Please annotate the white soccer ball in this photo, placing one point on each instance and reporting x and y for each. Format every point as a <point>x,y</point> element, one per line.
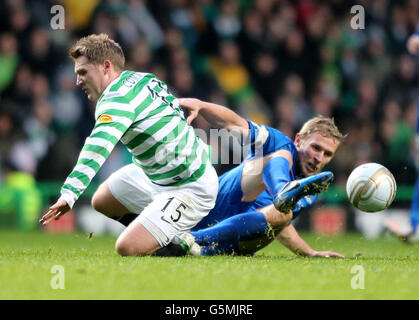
<point>371,187</point>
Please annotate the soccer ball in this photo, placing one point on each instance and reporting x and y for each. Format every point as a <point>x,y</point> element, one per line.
<point>371,187</point>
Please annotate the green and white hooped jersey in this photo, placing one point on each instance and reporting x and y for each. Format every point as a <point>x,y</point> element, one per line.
<point>137,109</point>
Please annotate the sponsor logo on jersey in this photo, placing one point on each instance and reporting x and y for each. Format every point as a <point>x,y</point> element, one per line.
<point>104,118</point>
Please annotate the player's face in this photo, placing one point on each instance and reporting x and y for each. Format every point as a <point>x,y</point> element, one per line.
<point>90,77</point>
<point>315,152</point>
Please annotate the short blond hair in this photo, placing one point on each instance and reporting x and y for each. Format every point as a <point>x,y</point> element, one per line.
<point>323,125</point>
<point>97,48</point>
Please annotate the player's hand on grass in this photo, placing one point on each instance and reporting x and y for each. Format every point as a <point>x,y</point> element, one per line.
<point>55,212</point>
<point>192,105</point>
<point>327,254</point>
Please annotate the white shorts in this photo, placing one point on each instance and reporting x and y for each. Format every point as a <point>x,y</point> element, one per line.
<point>164,211</point>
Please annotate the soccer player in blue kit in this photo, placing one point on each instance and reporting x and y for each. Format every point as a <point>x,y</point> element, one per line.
<point>257,199</point>
<point>413,48</point>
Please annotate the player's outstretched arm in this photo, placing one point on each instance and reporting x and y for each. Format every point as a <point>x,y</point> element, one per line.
<point>292,240</point>
<point>217,115</point>
<point>94,153</point>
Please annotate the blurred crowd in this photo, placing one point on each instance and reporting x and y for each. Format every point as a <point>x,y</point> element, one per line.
<point>275,62</point>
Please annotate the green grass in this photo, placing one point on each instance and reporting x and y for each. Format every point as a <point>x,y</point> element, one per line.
<point>94,271</point>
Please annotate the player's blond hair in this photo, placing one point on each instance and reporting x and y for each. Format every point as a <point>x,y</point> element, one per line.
<point>97,48</point>
<point>323,125</point>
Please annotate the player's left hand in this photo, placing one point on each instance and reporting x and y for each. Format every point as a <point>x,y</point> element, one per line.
<point>55,212</point>
<point>327,254</point>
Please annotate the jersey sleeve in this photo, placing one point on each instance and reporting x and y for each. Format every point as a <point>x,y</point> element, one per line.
<point>256,141</point>
<point>111,124</point>
<point>264,140</point>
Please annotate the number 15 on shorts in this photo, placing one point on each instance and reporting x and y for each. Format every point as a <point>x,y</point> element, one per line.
<point>173,209</point>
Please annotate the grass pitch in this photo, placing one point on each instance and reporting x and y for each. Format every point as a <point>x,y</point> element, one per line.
<point>92,270</point>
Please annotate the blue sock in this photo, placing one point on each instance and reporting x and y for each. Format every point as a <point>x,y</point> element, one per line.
<point>229,232</point>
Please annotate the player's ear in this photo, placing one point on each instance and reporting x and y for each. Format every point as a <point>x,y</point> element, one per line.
<point>107,65</point>
<point>297,139</point>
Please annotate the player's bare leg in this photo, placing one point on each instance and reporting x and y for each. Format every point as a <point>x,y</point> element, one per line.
<point>136,240</point>
<point>275,218</point>
<point>104,202</point>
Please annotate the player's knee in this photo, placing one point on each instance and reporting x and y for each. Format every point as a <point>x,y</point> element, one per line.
<point>123,249</point>
<point>126,248</point>
<point>101,202</point>
<point>104,202</point>
<point>97,201</point>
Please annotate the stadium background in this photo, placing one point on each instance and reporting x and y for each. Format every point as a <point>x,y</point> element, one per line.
<point>275,62</point>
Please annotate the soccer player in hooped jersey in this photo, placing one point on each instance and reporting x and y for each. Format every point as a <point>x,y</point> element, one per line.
<point>257,199</point>
<point>171,184</point>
